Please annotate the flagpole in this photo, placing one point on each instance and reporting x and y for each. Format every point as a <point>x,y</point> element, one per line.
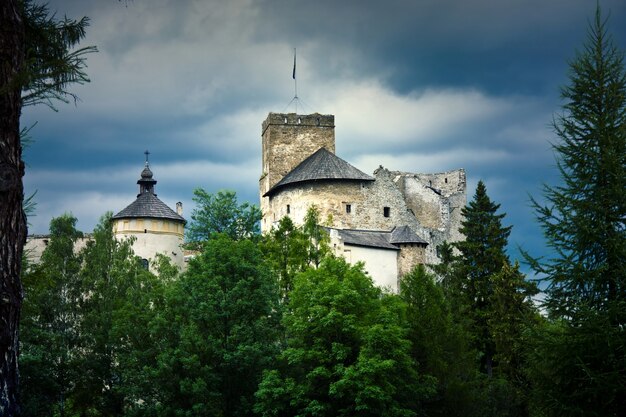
<point>295,80</point>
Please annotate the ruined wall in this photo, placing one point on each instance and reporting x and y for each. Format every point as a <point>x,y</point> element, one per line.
<point>36,244</point>
<point>435,199</point>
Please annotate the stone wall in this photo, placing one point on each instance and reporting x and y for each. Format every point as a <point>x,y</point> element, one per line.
<point>410,255</point>
<point>287,140</point>
<point>36,244</point>
<point>430,204</point>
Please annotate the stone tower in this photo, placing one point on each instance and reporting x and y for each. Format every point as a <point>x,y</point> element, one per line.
<point>287,140</point>
<point>155,227</point>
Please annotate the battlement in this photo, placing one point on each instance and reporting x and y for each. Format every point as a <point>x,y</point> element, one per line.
<point>293,119</point>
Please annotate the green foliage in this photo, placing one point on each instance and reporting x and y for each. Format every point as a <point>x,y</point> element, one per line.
<point>113,281</point>
<point>347,351</point>
<point>213,337</point>
<point>285,248</point>
<point>317,238</point>
<point>52,63</point>
<point>49,322</point>
<point>580,358</point>
<point>439,344</point>
<point>482,256</point>
<point>221,213</point>
<point>491,300</point>
<point>291,249</point>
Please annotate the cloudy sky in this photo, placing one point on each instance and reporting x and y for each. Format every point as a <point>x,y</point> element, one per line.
<point>415,85</point>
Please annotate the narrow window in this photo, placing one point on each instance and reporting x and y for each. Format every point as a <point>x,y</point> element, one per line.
<point>446,179</point>
<point>348,208</point>
<point>288,209</point>
<point>386,211</point>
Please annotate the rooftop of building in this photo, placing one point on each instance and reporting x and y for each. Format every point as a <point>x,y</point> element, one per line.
<point>382,239</point>
<point>321,165</point>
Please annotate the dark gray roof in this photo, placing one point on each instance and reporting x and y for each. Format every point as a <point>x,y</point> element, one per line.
<point>147,205</point>
<point>404,234</point>
<point>322,165</point>
<point>369,238</point>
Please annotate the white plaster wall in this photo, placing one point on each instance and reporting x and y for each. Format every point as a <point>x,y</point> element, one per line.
<point>381,264</point>
<point>147,245</point>
<point>153,236</point>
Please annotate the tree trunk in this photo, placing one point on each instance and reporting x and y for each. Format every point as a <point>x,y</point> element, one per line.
<point>12,218</point>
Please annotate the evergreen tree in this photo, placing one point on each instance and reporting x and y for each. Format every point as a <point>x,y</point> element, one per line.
<point>482,256</point>
<point>584,224</point>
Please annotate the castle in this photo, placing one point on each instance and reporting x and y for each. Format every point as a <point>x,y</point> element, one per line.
<point>390,221</point>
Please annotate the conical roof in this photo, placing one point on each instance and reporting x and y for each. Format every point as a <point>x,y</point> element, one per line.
<point>322,165</point>
<point>148,205</point>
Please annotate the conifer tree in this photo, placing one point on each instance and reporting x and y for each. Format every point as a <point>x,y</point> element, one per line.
<point>482,256</point>
<point>584,224</point>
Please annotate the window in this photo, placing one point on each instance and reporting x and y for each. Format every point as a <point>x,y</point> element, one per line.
<point>348,208</point>
<point>288,209</point>
<point>145,264</point>
<point>386,211</point>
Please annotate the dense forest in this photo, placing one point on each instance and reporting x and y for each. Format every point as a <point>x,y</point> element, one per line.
<point>275,325</point>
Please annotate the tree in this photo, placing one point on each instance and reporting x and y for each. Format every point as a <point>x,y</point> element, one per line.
<point>482,255</point>
<point>221,213</point>
<point>285,247</point>
<point>113,281</point>
<point>440,345</point>
<point>214,336</point>
<point>50,322</point>
<point>584,224</point>
<point>42,72</point>
<point>347,351</point>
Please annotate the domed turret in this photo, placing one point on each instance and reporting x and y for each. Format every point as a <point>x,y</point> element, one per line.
<point>155,227</point>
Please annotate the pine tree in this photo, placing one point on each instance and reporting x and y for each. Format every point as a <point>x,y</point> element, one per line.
<point>584,224</point>
<point>482,256</point>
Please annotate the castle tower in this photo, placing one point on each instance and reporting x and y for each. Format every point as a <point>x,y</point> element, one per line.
<point>287,140</point>
<point>155,227</point>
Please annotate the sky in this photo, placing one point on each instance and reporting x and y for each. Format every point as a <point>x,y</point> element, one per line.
<point>415,85</point>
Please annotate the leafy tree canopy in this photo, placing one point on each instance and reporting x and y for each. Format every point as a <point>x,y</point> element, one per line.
<point>222,213</point>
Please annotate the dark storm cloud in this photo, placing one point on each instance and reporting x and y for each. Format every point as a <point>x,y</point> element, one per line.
<point>415,85</point>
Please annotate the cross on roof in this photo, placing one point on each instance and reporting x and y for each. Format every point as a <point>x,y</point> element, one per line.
<point>147,153</point>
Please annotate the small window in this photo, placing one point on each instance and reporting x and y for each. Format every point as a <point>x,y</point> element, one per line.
<point>386,211</point>
<point>288,209</point>
<point>145,264</point>
<point>348,208</point>
<point>446,180</point>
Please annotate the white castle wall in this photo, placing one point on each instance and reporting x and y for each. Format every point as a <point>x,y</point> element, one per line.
<point>153,236</point>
